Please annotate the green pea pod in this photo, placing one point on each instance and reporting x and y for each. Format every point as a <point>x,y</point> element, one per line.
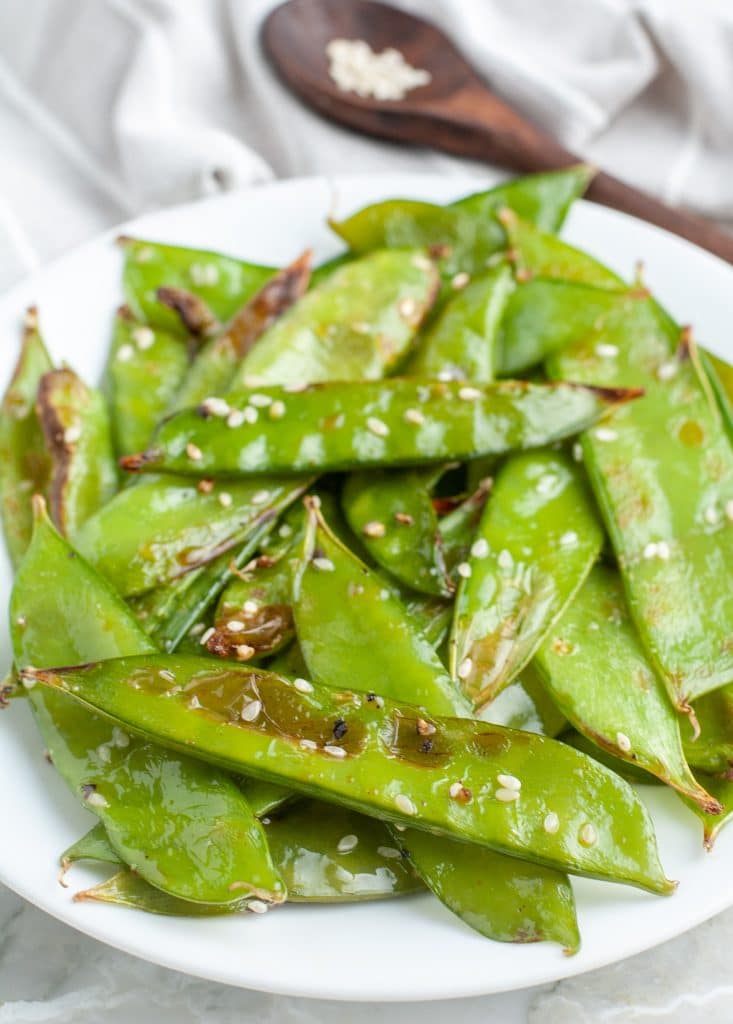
<point>595,670</point>
<point>720,375</point>
<point>538,537</point>
<point>346,615</point>
<point>24,462</point>
<point>721,789</point>
<point>539,254</point>
<point>215,368</point>
<point>76,428</point>
<point>393,515</point>
<point>370,755</point>
<point>183,825</point>
<point>144,371</point>
<point>498,896</point>
<point>460,343</point>
<point>360,424</point>
<point>93,845</point>
<point>264,797</point>
<point>628,770</point>
<point>223,282</point>
<point>466,232</point>
<point>712,750</point>
<point>165,527</point>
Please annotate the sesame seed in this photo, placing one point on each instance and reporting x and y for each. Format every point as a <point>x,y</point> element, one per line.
<point>251,711</point>
<point>560,646</point>
<point>204,273</point>
<point>104,753</point>
<point>302,685</point>
<point>588,835</point>
<point>384,594</point>
<point>465,668</point>
<point>308,745</point>
<point>378,427</point>
<point>244,652</point>
<point>467,394</point>
<point>404,804</point>
<point>404,518</point>
<point>414,416</point>
<point>623,742</point>
<point>374,529</point>
<point>214,406</point>
<point>260,401</point>
<point>94,799</point>
<point>120,738</point>
<point>334,751</point>
<point>666,371</point>
<point>276,410</point>
<point>422,262</point>
<point>605,434</point>
<point>578,452</point>
<point>72,434</point>
<point>663,550</point>
<point>347,843</point>
<point>711,515</point>
<point>249,414</point>
<point>460,280</point>
<point>167,675</point>
<point>197,629</point>
<point>194,702</point>
<point>20,621</point>
<point>260,497</point>
<point>551,823</point>
<point>424,728</point>
<point>361,327</point>
<point>388,852</point>
<point>407,307</point>
<point>207,635</point>
<point>729,509</point>
<point>460,792</point>
<point>295,387</point>
<point>505,560</point>
<point>480,548</point>
<point>606,351</point>
<point>569,539</point>
<point>464,570</point>
<point>285,531</point>
<point>235,418</point>
<point>250,608</point>
<point>225,499</point>
<point>234,626</point>
<point>205,485</point>
<point>193,451</point>
<point>507,796</point>
<point>324,564</point>
<point>509,782</point>
<point>546,483</point>
<point>143,337</point>
<point>651,550</point>
<point>144,254</point>
<point>257,907</point>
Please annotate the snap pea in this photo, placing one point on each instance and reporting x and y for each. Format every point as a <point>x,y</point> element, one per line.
<point>359,424</point>
<point>628,770</point>
<point>721,789</point>
<point>498,896</point>
<point>223,282</point>
<point>460,343</point>
<point>379,765</point>
<point>165,527</point>
<point>93,845</point>
<point>720,374</point>
<point>538,537</point>
<point>595,669</point>
<point>183,825</point>
<point>76,428</point>
<point>144,370</point>
<point>24,462</point>
<point>537,253</point>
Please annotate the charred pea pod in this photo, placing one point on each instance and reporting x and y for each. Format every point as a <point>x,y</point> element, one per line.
<point>595,669</point>
<point>160,809</point>
<point>720,788</point>
<point>361,424</point>
<point>24,462</point>
<point>261,724</point>
<point>76,428</point>
<point>538,537</point>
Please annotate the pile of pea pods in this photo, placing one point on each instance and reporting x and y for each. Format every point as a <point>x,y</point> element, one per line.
<point>382,576</point>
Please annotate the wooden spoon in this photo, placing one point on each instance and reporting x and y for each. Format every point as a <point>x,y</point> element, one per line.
<point>455,112</point>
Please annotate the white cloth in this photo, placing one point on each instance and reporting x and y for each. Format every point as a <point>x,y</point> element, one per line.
<point>112,107</point>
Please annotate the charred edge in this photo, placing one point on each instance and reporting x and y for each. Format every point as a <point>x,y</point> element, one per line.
<point>30,321</point>
<point>709,804</point>
<point>196,316</point>
<point>135,463</point>
<point>686,344</point>
<point>65,865</point>
<point>6,692</point>
<point>125,313</point>
<point>614,396</point>
<point>270,302</point>
<point>125,240</point>
<point>60,450</point>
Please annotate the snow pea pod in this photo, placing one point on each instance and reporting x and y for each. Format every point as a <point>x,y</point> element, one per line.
<point>498,896</point>
<point>721,788</point>
<point>538,537</point>
<point>165,527</point>
<point>594,668</point>
<point>144,370</point>
<point>24,462</point>
<point>93,845</point>
<point>184,825</point>
<point>360,424</point>
<point>370,755</point>
<point>460,343</point>
<point>76,427</point>
<point>222,282</point>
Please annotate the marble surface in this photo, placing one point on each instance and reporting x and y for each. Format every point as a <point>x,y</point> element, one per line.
<point>51,974</point>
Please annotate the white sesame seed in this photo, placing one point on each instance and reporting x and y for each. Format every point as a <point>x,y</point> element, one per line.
<point>374,529</point>
<point>347,843</point>
<point>276,410</point>
<point>144,254</point>
<point>257,907</point>
<point>225,499</point>
<point>465,668</point>
<point>120,738</point>
<point>509,782</point>
<point>251,711</point>
<point>234,626</point>
<point>505,560</point>
<point>244,652</point>
<point>606,351</point>
<point>546,483</point>
<point>285,531</point>
<point>414,416</point>
<point>663,550</point>
<point>729,509</point>
<point>20,621</point>
<point>334,751</point>
<point>235,418</point>
<point>384,594</point>
<point>422,262</point>
<point>464,570</point>
<point>507,796</point>
<point>651,550</point>
<point>167,675</point>
<point>214,406</point>
<point>95,799</point>
<point>712,515</point>
<point>204,273</point>
<point>249,414</point>
<point>389,852</point>
<point>588,835</point>
<point>623,742</point>
<point>194,702</point>
<point>260,497</point>
<point>194,452</point>
<point>250,608</point>
<point>460,280</point>
<point>143,337</point>
<point>295,387</point>
<point>404,804</point>
<point>361,327</point>
<point>551,823</point>
<point>480,548</point>
<point>569,539</point>
<point>467,394</point>
<point>197,629</point>
<point>302,685</point>
<point>72,434</point>
<point>456,788</point>
<point>308,745</point>
<point>207,635</point>
<point>407,307</point>
<point>578,452</point>
<point>666,371</point>
<point>260,401</point>
<point>378,427</point>
<point>324,564</point>
<point>605,434</point>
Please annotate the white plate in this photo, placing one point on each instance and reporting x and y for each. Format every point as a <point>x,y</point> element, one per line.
<point>399,950</point>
